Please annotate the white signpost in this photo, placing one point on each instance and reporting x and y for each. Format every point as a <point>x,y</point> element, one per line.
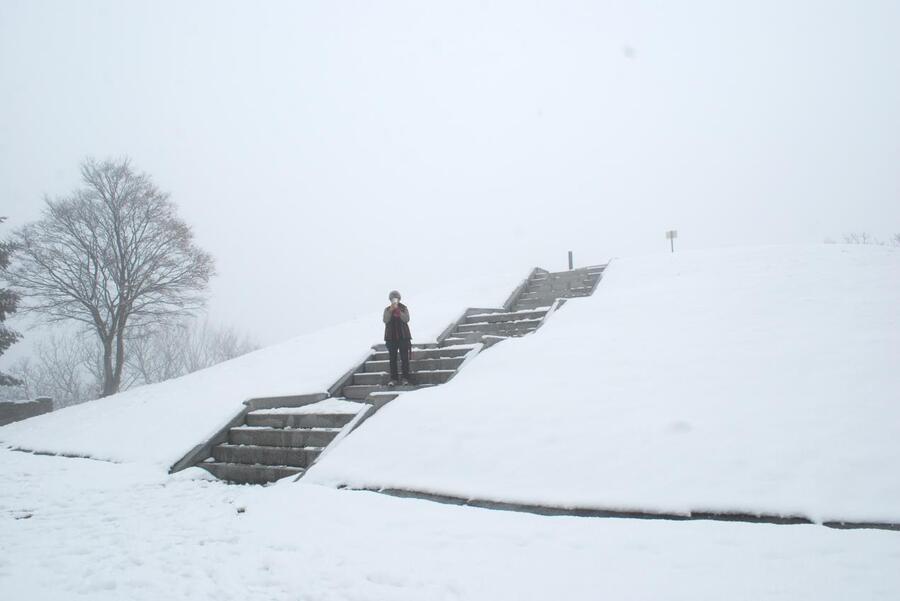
<point>670,236</point>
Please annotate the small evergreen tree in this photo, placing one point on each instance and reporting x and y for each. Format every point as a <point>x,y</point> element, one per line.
<point>8,302</point>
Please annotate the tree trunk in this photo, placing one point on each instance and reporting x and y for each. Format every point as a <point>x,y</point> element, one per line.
<point>109,386</point>
<point>120,361</point>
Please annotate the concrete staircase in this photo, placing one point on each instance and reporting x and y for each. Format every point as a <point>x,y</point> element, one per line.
<point>430,364</point>
<point>275,438</point>
<point>274,443</point>
<point>544,287</point>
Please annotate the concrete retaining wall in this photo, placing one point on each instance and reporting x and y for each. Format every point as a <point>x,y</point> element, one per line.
<point>13,411</point>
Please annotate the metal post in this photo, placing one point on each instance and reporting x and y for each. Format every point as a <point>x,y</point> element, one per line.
<point>570,261</point>
<point>670,236</point>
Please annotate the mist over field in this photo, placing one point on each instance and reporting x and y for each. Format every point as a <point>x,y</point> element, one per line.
<point>327,152</point>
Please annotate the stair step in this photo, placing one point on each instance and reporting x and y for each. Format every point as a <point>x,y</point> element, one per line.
<point>240,473</point>
<point>578,293</point>
<point>542,294</point>
<point>418,365</point>
<point>482,336</point>
<point>558,293</point>
<point>280,437</point>
<point>463,340</point>
<point>534,303</point>
<point>298,420</point>
<point>505,317</point>
<point>499,327</point>
<point>572,273</point>
<point>561,281</point>
<point>361,391</point>
<point>260,455</point>
<point>429,353</point>
<point>420,377</point>
<point>558,287</point>
<point>486,310</point>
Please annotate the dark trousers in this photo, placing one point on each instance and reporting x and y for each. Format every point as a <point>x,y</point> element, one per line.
<point>401,347</point>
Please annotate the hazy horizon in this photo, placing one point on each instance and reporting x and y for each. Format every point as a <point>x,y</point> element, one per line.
<point>326,153</point>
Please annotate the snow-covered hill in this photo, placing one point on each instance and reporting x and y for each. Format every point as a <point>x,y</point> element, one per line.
<point>759,380</point>
<point>755,379</point>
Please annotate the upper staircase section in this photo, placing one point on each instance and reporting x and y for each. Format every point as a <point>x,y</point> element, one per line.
<point>526,309</point>
<point>544,288</point>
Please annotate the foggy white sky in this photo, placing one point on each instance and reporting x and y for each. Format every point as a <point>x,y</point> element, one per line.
<point>326,152</point>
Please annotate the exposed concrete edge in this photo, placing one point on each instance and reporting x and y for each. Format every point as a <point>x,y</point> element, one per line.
<point>336,388</point>
<point>489,340</point>
<point>204,449</point>
<point>446,333</point>
<point>591,512</point>
<point>553,309</point>
<point>840,525</point>
<point>511,300</point>
<point>16,411</point>
<point>473,352</point>
<point>292,400</point>
<point>600,266</point>
<point>469,356</point>
<point>597,281</point>
<point>54,454</point>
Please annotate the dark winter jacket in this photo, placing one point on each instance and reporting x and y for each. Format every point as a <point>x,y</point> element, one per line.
<point>395,320</point>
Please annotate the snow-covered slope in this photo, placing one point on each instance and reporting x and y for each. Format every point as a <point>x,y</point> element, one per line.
<point>159,423</point>
<point>761,380</point>
<point>79,530</point>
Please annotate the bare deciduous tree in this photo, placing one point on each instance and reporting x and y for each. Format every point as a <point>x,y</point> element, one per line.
<point>860,238</point>
<point>157,355</point>
<point>113,255</point>
<point>207,345</point>
<point>59,369</point>
<point>866,238</point>
<point>68,366</point>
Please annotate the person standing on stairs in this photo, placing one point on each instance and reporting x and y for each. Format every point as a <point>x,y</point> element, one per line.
<point>397,337</point>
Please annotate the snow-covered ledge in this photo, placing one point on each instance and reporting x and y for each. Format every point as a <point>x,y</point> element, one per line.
<point>14,411</point>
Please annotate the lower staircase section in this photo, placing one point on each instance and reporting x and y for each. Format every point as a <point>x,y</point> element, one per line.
<point>275,443</point>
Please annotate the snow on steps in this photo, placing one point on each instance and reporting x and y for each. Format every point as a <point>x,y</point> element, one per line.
<point>271,443</point>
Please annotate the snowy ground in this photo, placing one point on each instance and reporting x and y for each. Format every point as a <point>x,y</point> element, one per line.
<point>759,380</point>
<point>84,529</point>
<point>755,380</point>
<point>158,424</point>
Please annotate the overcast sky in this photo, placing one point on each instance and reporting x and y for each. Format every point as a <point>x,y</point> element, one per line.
<point>326,152</point>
